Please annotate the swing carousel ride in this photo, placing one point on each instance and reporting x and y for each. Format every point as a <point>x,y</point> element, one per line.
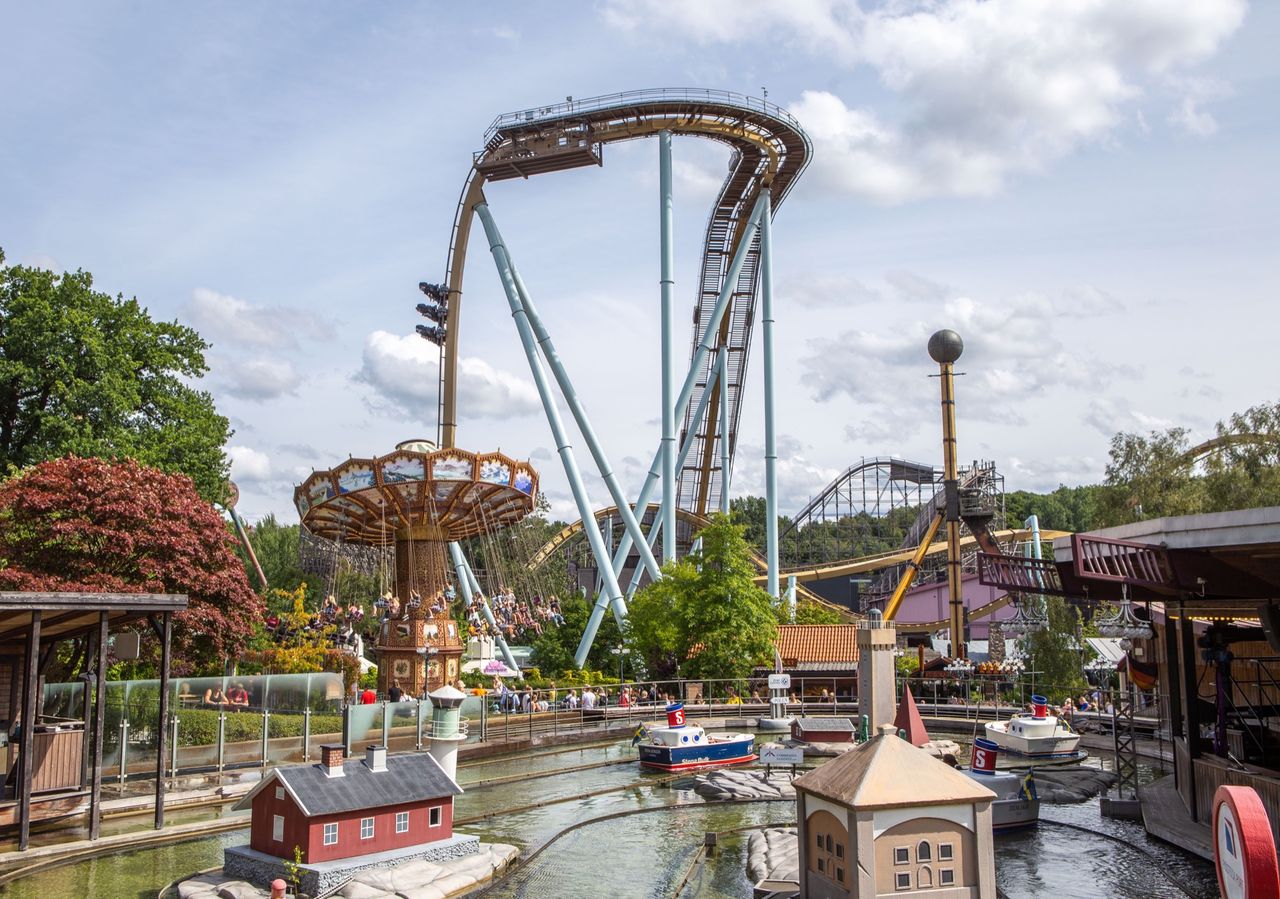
<point>423,500</point>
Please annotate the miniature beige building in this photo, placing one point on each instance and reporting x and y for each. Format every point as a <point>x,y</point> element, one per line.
<point>887,819</point>
<point>877,640</point>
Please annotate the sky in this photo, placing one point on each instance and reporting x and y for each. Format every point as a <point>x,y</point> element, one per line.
<point>1086,191</point>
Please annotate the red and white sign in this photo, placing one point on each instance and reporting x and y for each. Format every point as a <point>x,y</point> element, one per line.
<point>1243,846</point>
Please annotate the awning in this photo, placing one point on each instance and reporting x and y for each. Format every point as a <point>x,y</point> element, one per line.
<point>1107,648</point>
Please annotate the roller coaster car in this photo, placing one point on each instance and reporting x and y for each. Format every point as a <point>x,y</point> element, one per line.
<point>976,504</point>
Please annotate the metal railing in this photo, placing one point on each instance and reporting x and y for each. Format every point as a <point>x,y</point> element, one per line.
<point>624,99</point>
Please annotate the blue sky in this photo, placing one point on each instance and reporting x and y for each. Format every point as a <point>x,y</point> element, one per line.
<point>1087,191</point>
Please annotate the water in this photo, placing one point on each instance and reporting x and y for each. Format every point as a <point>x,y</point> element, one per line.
<point>651,853</point>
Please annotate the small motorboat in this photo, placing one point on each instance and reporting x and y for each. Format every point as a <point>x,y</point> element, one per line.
<point>1016,804</point>
<point>1035,736</point>
<point>684,747</point>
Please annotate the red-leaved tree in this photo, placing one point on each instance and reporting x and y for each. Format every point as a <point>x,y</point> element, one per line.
<point>117,526</point>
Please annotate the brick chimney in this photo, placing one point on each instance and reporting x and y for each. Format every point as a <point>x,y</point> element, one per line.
<point>331,759</point>
<point>375,757</point>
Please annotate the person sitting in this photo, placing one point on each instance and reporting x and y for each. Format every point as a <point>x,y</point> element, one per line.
<point>215,698</point>
<point>238,696</point>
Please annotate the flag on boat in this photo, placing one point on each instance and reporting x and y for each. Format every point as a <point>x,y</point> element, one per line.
<point>1029,788</point>
<point>638,735</point>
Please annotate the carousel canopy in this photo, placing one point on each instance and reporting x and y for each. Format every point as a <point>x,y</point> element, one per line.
<point>462,494</point>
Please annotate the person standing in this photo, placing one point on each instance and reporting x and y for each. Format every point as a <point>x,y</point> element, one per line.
<point>368,696</point>
<point>588,698</point>
<point>395,694</point>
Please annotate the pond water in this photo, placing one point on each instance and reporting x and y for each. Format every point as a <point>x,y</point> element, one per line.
<point>531,800</point>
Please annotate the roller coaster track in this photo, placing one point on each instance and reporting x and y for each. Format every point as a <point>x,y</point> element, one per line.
<point>770,150</point>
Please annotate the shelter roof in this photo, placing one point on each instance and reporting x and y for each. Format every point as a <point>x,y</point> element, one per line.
<point>68,614</point>
<point>804,643</point>
<point>409,778</point>
<point>888,772</point>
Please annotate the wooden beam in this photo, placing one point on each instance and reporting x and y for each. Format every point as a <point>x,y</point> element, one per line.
<point>28,731</point>
<point>162,725</point>
<point>99,718</point>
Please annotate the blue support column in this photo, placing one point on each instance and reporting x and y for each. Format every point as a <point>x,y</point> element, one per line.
<point>548,348</point>
<point>770,429</point>
<point>668,356</point>
<point>685,449</point>
<point>710,329</point>
<point>466,580</point>
<point>722,377</point>
<point>613,594</point>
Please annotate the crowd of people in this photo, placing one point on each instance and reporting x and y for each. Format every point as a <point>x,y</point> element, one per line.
<point>523,698</point>
<point>518,620</point>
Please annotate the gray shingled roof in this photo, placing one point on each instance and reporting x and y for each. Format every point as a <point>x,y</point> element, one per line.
<point>828,724</point>
<point>408,778</point>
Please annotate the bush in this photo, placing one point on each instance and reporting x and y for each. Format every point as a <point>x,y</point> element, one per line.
<point>199,727</point>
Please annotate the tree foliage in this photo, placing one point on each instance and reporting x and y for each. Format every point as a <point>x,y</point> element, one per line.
<point>1064,509</point>
<point>706,617</point>
<point>91,525</point>
<point>554,648</point>
<point>85,373</point>
<point>1163,474</point>
<point>1055,651</point>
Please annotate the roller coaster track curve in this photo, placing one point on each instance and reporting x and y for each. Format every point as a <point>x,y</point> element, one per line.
<point>770,150</point>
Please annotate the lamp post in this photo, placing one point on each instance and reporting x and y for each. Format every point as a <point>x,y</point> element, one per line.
<point>621,652</point>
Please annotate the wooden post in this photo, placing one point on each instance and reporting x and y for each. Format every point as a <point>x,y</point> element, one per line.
<point>99,719</point>
<point>28,731</point>
<point>162,731</point>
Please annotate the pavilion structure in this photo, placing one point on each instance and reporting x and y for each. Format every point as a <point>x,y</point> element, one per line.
<point>1210,585</point>
<point>55,764</point>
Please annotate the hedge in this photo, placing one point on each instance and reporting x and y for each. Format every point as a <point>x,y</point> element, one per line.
<point>199,727</point>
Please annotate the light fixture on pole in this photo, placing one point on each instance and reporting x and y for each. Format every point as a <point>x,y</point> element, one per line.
<point>621,652</point>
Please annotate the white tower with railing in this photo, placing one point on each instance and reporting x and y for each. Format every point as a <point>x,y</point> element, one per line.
<point>448,730</point>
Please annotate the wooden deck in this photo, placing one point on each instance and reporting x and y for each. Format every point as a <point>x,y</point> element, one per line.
<point>1165,817</point>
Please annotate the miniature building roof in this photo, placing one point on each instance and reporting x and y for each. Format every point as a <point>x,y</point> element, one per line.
<point>825,724</point>
<point>833,643</point>
<point>888,772</point>
<point>408,778</point>
<point>909,720</point>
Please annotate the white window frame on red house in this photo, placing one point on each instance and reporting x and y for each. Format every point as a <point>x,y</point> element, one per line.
<point>402,822</point>
<point>366,828</point>
<point>277,828</point>
<point>437,816</point>
<point>331,833</point>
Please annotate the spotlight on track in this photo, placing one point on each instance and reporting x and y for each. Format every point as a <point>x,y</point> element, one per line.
<point>433,333</point>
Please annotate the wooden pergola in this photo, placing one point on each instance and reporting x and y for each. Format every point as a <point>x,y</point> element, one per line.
<point>31,625</point>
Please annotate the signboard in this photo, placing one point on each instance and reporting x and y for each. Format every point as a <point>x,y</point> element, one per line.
<point>779,681</point>
<point>776,754</point>
<point>1243,847</point>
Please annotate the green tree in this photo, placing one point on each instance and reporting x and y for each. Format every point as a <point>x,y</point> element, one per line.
<point>1064,509</point>
<point>706,617</point>
<point>1055,651</point>
<point>810,612</point>
<point>553,649</point>
<point>84,373</point>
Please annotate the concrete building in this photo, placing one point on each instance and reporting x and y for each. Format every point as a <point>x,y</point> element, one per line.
<point>887,819</point>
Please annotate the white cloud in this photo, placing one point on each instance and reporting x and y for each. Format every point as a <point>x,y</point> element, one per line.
<point>989,88</point>
<point>694,181</point>
<point>40,260</point>
<point>220,317</point>
<point>818,289</point>
<point>1111,416</point>
<point>799,478</point>
<point>405,370</point>
<point>1044,475</point>
<point>249,465</point>
<point>260,379</point>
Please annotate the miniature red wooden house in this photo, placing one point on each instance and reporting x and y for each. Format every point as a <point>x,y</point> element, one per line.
<point>345,808</point>
<point>823,730</point>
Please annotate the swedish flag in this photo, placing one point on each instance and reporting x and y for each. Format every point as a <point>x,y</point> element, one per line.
<point>1029,788</point>
<point>638,736</point>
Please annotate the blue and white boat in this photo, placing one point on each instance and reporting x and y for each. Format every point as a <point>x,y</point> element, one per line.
<point>1038,736</point>
<point>684,747</point>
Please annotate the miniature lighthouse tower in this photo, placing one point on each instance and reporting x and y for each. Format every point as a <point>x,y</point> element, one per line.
<point>446,728</point>
<point>877,639</point>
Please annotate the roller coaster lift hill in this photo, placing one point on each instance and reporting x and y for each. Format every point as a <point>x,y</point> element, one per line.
<point>693,468</point>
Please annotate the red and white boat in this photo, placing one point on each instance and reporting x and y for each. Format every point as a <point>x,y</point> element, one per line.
<point>1035,736</point>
